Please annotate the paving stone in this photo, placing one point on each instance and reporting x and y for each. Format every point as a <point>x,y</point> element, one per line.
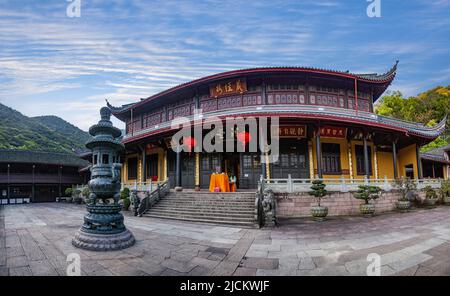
<point>42,267</point>
<point>183,267</point>
<point>20,271</point>
<point>259,263</point>
<point>306,263</point>
<point>4,271</point>
<point>245,271</point>
<point>199,271</point>
<point>18,261</point>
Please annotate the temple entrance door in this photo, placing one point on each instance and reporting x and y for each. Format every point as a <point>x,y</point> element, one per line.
<point>293,160</point>
<point>208,164</point>
<point>187,169</point>
<point>250,170</point>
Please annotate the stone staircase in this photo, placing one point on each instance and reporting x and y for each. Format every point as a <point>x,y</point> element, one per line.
<point>234,208</point>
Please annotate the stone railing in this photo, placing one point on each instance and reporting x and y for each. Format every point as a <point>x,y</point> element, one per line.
<point>142,186</point>
<point>141,206</point>
<point>290,185</point>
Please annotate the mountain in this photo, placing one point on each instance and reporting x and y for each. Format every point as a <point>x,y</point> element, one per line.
<point>45,133</point>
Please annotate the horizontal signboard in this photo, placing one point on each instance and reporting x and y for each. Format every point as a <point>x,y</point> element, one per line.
<point>231,87</point>
<point>333,132</point>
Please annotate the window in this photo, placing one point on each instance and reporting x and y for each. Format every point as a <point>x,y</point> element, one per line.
<point>359,150</point>
<point>132,168</point>
<point>152,166</point>
<point>331,158</point>
<point>105,158</point>
<point>95,158</point>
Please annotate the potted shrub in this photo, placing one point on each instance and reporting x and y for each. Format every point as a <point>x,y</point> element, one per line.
<point>406,186</point>
<point>68,192</point>
<point>126,204</point>
<point>367,193</point>
<point>318,212</point>
<point>430,197</point>
<point>445,192</point>
<point>125,193</point>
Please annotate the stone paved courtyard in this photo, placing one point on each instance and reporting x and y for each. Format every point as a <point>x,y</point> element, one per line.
<point>36,238</point>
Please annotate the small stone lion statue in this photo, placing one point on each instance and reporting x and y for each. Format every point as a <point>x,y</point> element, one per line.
<point>269,205</point>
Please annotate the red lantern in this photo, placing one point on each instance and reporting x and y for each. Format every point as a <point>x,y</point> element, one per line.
<point>244,137</point>
<point>190,142</point>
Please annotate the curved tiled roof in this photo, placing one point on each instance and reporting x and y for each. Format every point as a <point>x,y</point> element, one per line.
<point>41,157</point>
<point>369,78</point>
<point>312,112</point>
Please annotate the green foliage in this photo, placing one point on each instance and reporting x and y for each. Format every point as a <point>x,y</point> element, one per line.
<point>85,192</point>
<point>366,193</point>
<point>445,189</point>
<point>126,203</point>
<point>318,190</point>
<point>125,193</point>
<point>45,133</point>
<point>430,193</point>
<point>405,185</point>
<point>428,108</point>
<point>68,191</point>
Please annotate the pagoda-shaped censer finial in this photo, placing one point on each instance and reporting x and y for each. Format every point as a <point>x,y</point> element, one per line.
<point>103,228</point>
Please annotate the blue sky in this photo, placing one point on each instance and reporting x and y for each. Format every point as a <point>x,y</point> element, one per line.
<point>123,50</point>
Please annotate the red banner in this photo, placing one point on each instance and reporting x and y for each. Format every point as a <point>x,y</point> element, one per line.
<point>333,132</point>
<point>236,86</point>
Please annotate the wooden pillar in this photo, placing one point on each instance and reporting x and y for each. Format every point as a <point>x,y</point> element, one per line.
<point>8,186</point>
<point>178,186</point>
<point>350,160</point>
<point>60,180</point>
<point>394,158</point>
<point>32,183</point>
<point>375,161</point>
<point>144,165</point>
<point>311,161</point>
<point>165,166</point>
<point>319,154</point>
<point>267,166</point>
<point>434,173</point>
<point>366,158</point>
<point>419,163</point>
<point>197,171</point>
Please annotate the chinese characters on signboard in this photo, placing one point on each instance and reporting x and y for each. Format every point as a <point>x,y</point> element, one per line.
<point>297,131</point>
<point>236,86</point>
<point>333,132</point>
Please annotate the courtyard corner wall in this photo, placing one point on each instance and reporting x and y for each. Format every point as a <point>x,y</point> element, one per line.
<point>407,156</point>
<point>298,205</point>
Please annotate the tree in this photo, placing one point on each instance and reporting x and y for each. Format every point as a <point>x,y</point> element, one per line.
<point>428,108</point>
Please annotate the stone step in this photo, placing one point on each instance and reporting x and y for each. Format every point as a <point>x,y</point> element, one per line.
<point>211,212</point>
<point>207,202</point>
<point>227,208</point>
<point>226,222</point>
<point>206,207</point>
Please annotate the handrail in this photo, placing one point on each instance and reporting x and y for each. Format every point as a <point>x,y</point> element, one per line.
<point>339,184</point>
<point>151,198</point>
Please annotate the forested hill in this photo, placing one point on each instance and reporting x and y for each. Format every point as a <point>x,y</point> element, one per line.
<point>45,133</point>
<point>428,108</point>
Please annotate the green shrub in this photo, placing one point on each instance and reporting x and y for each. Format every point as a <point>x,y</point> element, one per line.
<point>125,193</point>
<point>366,193</point>
<point>318,190</point>
<point>405,185</point>
<point>430,193</point>
<point>445,189</point>
<point>126,203</point>
<point>68,191</point>
<point>86,191</point>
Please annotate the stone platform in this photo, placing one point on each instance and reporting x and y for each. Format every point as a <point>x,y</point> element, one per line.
<point>35,239</point>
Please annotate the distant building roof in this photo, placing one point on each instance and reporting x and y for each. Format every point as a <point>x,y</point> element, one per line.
<point>41,157</point>
<point>437,154</point>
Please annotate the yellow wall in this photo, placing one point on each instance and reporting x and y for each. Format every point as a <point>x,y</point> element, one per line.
<point>162,174</point>
<point>385,165</point>
<point>407,156</point>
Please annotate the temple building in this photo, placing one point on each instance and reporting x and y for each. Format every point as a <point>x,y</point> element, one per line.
<point>37,176</point>
<point>326,125</point>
